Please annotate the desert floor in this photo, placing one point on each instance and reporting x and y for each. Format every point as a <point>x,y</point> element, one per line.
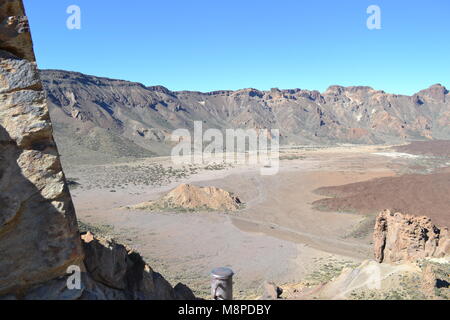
<point>278,236</point>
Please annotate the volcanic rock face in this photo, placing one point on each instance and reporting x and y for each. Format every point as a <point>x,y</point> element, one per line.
<point>39,237</point>
<point>402,237</point>
<point>38,231</point>
<point>190,197</point>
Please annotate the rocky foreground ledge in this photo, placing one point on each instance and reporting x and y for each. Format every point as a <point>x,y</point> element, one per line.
<point>39,236</point>
<point>110,271</point>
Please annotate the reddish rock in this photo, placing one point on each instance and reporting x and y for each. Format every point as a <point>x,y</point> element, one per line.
<point>403,237</point>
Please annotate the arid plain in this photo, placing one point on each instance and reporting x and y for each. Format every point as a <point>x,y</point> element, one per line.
<point>283,233</point>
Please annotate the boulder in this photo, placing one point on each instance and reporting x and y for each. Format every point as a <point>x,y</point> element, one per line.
<point>271,291</point>
<point>39,236</point>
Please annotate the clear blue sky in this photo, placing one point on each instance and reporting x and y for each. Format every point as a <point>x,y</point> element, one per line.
<point>207,45</point>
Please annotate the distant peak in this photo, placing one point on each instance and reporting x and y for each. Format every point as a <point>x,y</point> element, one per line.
<point>436,91</point>
<point>359,88</point>
<point>252,92</point>
<point>438,86</point>
<point>161,89</point>
<point>335,89</point>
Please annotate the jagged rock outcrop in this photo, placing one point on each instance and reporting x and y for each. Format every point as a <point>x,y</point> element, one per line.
<point>190,197</point>
<point>403,237</point>
<point>117,272</point>
<point>39,237</point>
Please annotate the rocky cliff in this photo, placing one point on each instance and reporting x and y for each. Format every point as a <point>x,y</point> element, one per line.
<point>38,231</point>
<point>403,237</point>
<point>39,237</point>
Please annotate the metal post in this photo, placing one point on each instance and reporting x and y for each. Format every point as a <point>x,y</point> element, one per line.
<point>222,284</point>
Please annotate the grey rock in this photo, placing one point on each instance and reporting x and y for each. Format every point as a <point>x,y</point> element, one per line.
<point>39,237</point>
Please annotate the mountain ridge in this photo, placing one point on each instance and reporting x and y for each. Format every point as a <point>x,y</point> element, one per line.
<point>141,118</point>
<point>165,88</point>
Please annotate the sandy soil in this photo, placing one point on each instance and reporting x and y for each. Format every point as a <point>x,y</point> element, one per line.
<point>278,236</point>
